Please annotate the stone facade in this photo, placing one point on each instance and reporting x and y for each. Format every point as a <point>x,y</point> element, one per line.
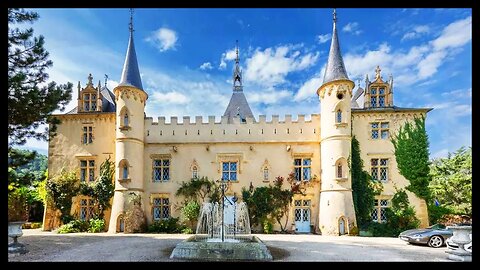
<point>154,156</point>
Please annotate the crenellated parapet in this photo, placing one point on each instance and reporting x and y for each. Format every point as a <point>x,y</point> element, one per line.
<point>287,129</point>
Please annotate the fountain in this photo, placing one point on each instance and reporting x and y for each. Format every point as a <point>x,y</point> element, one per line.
<point>223,234</point>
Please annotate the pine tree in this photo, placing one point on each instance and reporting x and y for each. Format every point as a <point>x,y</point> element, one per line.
<point>31,99</point>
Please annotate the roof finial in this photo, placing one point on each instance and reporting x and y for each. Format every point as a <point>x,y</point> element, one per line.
<point>334,15</point>
<point>90,79</point>
<point>130,27</point>
<point>377,73</point>
<point>237,60</point>
<point>106,78</point>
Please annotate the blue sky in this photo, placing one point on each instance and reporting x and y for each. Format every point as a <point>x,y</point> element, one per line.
<point>186,58</point>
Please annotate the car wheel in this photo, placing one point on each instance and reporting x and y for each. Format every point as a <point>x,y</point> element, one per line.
<point>435,241</point>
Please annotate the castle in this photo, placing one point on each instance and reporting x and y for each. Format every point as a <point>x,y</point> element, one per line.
<point>154,156</point>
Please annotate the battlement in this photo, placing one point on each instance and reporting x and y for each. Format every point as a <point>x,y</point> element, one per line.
<point>217,129</point>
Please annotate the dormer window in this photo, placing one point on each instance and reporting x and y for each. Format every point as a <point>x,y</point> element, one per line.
<point>377,97</point>
<point>89,102</point>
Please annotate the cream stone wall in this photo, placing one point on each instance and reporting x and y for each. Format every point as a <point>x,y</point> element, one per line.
<point>66,149</point>
<point>381,148</point>
<point>205,145</point>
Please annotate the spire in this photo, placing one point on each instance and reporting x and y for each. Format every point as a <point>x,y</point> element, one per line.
<point>237,73</point>
<point>131,73</point>
<point>335,69</point>
<point>79,88</point>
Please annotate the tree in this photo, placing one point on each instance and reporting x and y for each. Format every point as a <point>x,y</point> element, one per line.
<point>190,212</point>
<point>451,183</point>
<point>61,190</point>
<point>282,200</point>
<point>412,156</point>
<point>198,189</point>
<point>401,216</point>
<point>31,99</point>
<point>363,188</point>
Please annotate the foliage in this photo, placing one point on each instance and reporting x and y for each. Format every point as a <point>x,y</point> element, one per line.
<point>267,226</point>
<point>187,230</point>
<point>169,225</point>
<point>451,183</point>
<point>437,213</point>
<point>74,226</point>
<point>363,188</point>
<point>270,202</point>
<point>26,172</point>
<point>31,99</point>
<point>32,225</point>
<point>411,153</point>
<point>96,225</point>
<point>17,205</point>
<point>62,188</point>
<point>135,219</point>
<point>101,190</point>
<point>190,212</point>
<point>198,189</point>
<point>400,217</point>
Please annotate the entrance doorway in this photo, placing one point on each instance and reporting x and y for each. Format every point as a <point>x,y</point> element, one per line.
<point>342,228</point>
<point>302,216</point>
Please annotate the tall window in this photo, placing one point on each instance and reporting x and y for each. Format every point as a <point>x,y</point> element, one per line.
<point>86,209</point>
<point>125,171</point>
<point>89,102</point>
<point>380,130</point>
<point>229,171</point>
<point>377,97</point>
<point>339,171</point>
<point>125,119</point>
<point>339,116</point>
<point>194,172</point>
<point>161,170</point>
<point>379,169</point>
<point>161,208</point>
<point>265,174</point>
<point>302,167</point>
<point>87,135</point>
<point>379,213</point>
<point>87,170</point>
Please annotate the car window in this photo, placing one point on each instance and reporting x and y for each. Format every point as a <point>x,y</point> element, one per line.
<point>437,227</point>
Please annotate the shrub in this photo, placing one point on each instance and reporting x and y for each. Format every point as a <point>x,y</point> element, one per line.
<point>169,225</point>
<point>96,225</point>
<point>187,230</point>
<point>267,226</point>
<point>190,212</point>
<point>74,226</point>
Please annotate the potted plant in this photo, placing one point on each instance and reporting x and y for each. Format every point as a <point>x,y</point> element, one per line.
<point>17,216</point>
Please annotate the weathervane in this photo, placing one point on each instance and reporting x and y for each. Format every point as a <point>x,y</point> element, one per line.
<point>131,21</point>
<point>106,78</point>
<point>334,15</point>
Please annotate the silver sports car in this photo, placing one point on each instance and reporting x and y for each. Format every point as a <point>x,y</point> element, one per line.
<point>434,236</point>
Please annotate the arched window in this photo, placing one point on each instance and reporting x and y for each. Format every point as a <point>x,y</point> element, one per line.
<point>125,119</point>
<point>339,116</point>
<point>195,172</point>
<point>125,171</point>
<point>339,170</point>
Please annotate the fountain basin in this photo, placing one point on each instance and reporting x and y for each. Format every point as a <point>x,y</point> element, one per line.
<point>242,248</point>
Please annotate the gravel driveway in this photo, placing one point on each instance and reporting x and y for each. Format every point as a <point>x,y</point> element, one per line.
<point>85,247</point>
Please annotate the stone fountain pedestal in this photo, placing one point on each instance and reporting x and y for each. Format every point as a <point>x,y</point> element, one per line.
<point>198,248</point>
<point>461,237</point>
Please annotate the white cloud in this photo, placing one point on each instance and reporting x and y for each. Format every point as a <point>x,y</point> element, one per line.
<point>169,98</point>
<point>352,28</point>
<point>163,38</point>
<point>454,35</point>
<point>309,89</point>
<point>419,63</point>
<point>458,93</point>
<point>227,56</point>
<point>269,97</point>
<point>324,38</point>
<point>418,31</point>
<point>206,65</point>
<point>270,66</point>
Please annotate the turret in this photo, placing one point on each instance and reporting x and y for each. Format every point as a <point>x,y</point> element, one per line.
<point>337,214</point>
<point>129,147</point>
